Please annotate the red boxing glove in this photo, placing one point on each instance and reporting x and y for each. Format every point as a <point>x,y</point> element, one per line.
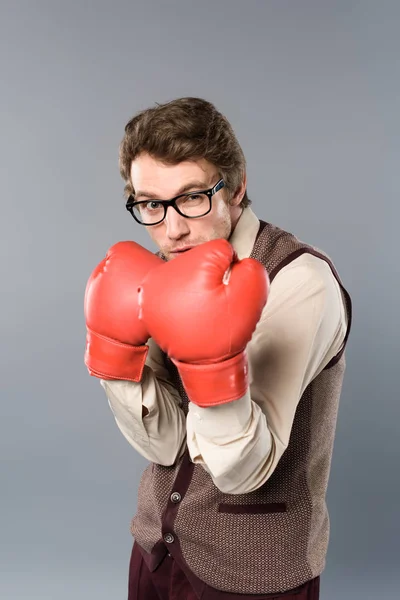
<point>202,308</point>
<point>116,338</point>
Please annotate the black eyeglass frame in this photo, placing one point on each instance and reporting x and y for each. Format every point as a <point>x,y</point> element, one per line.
<point>131,203</point>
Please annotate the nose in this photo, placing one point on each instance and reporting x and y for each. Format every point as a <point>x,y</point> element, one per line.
<point>176,225</point>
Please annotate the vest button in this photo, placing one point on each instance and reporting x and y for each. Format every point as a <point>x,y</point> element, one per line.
<point>169,538</point>
<point>176,497</point>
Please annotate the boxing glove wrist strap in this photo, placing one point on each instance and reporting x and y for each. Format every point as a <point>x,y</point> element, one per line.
<point>215,383</point>
<point>111,359</point>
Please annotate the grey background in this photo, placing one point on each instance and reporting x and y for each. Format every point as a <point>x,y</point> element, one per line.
<point>312,90</point>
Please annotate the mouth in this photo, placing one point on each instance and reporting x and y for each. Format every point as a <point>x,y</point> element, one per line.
<point>181,250</point>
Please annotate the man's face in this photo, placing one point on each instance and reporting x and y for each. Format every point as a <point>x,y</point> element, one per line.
<point>153,179</point>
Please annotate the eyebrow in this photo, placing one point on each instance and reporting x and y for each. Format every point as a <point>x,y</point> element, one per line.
<point>196,185</point>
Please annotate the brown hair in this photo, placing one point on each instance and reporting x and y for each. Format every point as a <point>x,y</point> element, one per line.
<point>184,129</point>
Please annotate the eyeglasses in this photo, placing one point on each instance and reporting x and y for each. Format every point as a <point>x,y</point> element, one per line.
<point>192,206</point>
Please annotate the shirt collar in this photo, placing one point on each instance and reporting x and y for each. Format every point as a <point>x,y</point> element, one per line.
<point>244,235</point>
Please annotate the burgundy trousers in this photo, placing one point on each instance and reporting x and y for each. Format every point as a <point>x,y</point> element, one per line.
<point>169,582</point>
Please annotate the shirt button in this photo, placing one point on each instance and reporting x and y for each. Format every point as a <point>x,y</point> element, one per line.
<point>176,497</point>
<point>169,538</point>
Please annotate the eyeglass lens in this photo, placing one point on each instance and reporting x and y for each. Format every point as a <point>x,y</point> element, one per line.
<point>190,205</point>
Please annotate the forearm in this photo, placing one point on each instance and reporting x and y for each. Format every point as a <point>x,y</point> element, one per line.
<point>232,442</point>
<point>149,417</point>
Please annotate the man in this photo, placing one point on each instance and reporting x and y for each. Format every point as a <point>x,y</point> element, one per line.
<point>222,358</point>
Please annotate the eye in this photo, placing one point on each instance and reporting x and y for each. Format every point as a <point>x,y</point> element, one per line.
<point>153,205</point>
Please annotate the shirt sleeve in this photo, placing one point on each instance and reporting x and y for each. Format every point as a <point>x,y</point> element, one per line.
<point>302,327</point>
<point>148,413</point>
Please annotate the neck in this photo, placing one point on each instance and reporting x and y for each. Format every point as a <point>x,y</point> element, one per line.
<point>235,217</point>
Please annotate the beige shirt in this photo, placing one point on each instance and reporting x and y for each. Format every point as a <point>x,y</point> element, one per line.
<point>239,444</point>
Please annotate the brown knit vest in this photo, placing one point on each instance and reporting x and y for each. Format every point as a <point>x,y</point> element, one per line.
<point>276,537</point>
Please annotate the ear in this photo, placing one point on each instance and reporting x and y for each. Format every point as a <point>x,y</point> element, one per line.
<point>239,193</point>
